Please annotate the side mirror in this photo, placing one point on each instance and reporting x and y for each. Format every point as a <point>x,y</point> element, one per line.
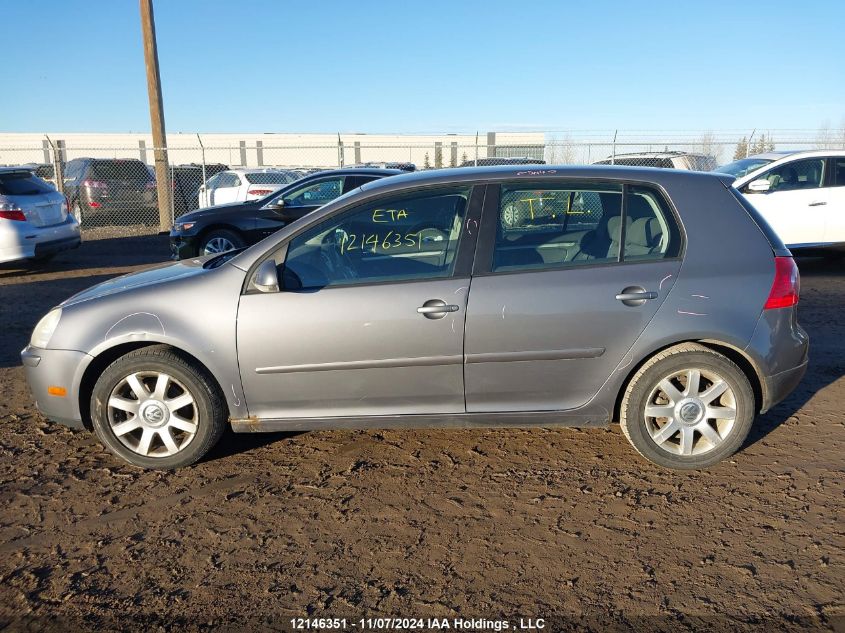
<point>266,278</point>
<point>761,185</point>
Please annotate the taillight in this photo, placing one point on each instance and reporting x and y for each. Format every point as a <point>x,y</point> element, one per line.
<point>259,192</point>
<point>11,211</point>
<point>12,214</point>
<point>94,184</point>
<point>786,286</point>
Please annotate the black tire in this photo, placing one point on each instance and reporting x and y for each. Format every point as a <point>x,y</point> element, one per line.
<point>677,360</point>
<point>235,239</point>
<point>208,409</point>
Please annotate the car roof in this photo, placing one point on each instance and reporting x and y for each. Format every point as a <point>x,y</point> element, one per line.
<point>657,155</point>
<point>344,171</point>
<point>16,168</point>
<point>254,170</point>
<point>785,153</point>
<point>536,172</point>
<point>359,171</point>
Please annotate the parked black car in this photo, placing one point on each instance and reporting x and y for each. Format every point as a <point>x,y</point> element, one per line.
<point>229,226</point>
<point>108,191</point>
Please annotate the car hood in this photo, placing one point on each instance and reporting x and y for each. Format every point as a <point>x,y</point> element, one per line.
<point>218,208</point>
<point>152,276</point>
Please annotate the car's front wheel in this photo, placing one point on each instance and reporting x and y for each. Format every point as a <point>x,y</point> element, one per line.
<point>687,407</point>
<point>220,241</point>
<point>156,409</point>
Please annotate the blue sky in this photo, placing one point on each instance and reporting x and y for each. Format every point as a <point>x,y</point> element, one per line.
<point>433,66</point>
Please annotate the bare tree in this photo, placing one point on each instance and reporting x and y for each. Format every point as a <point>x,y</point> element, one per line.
<point>709,146</point>
<point>560,151</point>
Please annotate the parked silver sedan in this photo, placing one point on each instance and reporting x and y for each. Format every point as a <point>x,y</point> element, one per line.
<point>495,296</point>
<point>34,219</point>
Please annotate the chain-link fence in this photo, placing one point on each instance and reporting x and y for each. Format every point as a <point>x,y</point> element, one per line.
<point>115,185</point>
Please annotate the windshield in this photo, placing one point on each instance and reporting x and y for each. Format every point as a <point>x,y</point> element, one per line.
<point>743,166</point>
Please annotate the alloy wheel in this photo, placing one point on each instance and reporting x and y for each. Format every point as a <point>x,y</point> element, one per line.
<point>690,412</point>
<point>217,245</point>
<point>152,414</point>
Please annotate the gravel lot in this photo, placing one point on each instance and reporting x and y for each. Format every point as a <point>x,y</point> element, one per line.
<point>566,525</point>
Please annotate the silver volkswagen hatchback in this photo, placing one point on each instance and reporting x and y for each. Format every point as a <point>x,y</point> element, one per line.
<point>499,296</point>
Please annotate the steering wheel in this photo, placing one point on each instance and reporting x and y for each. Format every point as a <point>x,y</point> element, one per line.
<point>333,260</point>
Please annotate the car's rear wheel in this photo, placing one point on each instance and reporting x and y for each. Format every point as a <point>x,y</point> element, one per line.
<point>220,241</point>
<point>687,407</point>
<point>155,409</point>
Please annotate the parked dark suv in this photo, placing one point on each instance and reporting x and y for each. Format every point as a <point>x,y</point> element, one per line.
<point>237,224</point>
<point>109,191</point>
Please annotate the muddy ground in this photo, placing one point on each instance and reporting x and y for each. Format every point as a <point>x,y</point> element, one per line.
<point>566,525</point>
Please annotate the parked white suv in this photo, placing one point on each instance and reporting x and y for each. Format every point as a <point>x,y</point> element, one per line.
<point>802,196</point>
<point>237,185</point>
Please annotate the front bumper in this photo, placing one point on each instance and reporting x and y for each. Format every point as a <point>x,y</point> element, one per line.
<point>183,246</point>
<point>47,368</point>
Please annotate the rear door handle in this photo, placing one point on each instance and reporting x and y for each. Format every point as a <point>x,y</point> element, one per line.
<point>436,309</point>
<point>819,203</point>
<point>636,296</point>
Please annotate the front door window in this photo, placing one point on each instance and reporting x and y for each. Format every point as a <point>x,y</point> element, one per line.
<point>395,239</point>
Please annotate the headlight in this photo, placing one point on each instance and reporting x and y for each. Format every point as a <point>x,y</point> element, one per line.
<point>45,328</point>
<point>184,226</point>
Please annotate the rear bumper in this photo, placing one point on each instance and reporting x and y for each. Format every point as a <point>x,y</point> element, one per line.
<point>46,368</point>
<point>780,351</point>
<point>781,385</point>
<point>22,240</point>
<point>43,249</point>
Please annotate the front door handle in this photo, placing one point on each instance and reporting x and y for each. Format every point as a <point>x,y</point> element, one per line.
<point>633,296</point>
<point>436,309</point>
<point>818,203</point>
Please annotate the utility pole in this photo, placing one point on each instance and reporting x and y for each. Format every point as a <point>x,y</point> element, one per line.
<point>156,114</point>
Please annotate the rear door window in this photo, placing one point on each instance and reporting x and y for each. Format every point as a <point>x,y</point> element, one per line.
<point>581,224</point>
<point>549,227</point>
<point>22,183</point>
